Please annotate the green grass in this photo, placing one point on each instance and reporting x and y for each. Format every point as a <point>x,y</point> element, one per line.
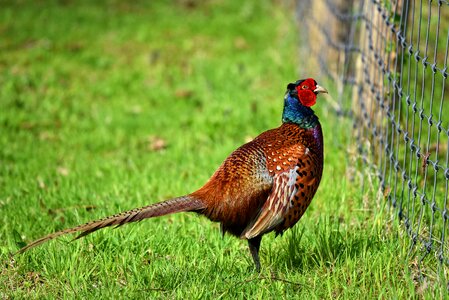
<point>108,106</point>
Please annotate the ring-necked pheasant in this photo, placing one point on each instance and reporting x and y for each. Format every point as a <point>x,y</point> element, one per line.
<point>265,185</point>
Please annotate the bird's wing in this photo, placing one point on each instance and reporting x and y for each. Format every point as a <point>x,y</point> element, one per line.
<point>277,204</point>
<point>295,179</point>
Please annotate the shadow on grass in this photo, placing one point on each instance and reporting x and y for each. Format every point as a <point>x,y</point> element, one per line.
<point>326,244</point>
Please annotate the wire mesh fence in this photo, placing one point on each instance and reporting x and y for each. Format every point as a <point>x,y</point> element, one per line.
<point>390,58</point>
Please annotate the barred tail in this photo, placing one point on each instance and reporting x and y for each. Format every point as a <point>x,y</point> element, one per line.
<point>180,204</point>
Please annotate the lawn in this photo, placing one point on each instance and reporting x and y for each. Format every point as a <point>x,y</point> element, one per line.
<point>107,106</point>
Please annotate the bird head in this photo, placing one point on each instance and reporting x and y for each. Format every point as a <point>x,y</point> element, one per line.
<point>305,90</point>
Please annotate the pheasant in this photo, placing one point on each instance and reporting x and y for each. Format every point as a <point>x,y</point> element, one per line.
<point>265,185</point>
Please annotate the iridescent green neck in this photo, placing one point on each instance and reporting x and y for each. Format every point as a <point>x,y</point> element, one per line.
<point>295,112</point>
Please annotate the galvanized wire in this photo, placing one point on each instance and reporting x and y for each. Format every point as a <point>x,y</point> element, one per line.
<point>395,66</point>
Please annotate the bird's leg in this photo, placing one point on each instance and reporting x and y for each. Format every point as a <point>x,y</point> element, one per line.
<point>254,245</point>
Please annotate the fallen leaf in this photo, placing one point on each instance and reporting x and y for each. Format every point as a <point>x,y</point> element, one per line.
<point>183,93</point>
<point>156,143</point>
<point>240,43</point>
<point>63,171</point>
<point>41,183</point>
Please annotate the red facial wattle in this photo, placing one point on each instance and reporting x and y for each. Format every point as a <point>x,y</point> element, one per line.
<point>307,97</point>
<point>305,92</point>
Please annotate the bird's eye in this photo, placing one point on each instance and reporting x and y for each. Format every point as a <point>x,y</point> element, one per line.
<point>305,87</point>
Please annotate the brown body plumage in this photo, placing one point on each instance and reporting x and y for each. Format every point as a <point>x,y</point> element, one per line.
<point>263,186</point>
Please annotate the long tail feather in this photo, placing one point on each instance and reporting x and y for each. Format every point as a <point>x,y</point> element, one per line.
<point>180,204</point>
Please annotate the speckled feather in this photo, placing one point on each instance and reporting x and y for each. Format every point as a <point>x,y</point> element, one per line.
<point>249,184</point>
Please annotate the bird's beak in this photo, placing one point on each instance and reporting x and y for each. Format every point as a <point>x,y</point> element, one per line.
<point>319,89</point>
